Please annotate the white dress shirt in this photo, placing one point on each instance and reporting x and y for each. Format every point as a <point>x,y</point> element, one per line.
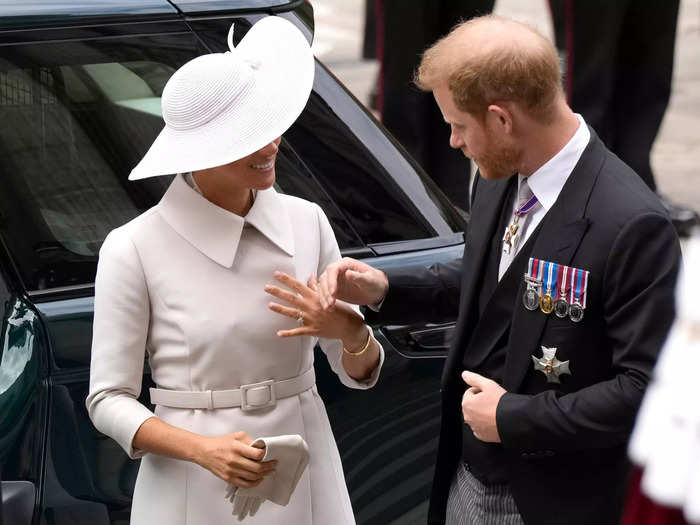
<point>546,183</point>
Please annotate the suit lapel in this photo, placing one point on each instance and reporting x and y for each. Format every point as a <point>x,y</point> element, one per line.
<point>484,219</point>
<point>561,232</point>
<point>497,315</point>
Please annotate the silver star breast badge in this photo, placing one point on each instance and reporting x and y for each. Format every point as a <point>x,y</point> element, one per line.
<point>550,366</point>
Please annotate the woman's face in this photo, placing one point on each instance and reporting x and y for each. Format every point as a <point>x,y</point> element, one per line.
<point>256,171</point>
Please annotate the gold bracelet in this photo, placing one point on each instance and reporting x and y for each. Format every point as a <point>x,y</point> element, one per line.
<point>364,348</point>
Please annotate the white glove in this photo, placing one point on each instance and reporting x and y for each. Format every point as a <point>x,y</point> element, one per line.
<point>243,506</point>
<point>292,455</point>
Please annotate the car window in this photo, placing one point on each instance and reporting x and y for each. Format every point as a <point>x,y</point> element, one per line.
<point>77,116</point>
<point>383,197</point>
<point>376,207</point>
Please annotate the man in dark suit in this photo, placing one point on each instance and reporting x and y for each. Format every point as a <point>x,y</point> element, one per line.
<point>564,294</point>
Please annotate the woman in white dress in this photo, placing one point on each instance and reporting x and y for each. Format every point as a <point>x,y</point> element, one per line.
<point>200,284</point>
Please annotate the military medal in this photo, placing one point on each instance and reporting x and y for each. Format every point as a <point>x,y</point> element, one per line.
<point>512,233</point>
<point>561,306</point>
<point>579,287</point>
<point>550,366</point>
<point>531,298</point>
<point>575,313</point>
<point>510,237</point>
<point>546,300</point>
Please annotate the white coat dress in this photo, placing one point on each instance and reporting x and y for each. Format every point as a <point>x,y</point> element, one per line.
<point>183,284</point>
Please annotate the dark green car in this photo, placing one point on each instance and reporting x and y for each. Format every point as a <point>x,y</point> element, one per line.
<point>80,87</point>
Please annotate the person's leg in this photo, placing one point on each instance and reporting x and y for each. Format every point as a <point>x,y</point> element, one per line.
<point>448,167</point>
<point>463,501</point>
<point>369,37</point>
<point>451,12</point>
<point>643,81</point>
<point>407,30</point>
<point>470,502</point>
<point>587,34</point>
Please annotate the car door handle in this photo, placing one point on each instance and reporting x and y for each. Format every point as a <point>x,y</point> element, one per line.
<point>432,339</point>
<point>421,340</point>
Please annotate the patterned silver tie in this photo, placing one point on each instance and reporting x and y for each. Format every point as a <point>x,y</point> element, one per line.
<point>515,231</point>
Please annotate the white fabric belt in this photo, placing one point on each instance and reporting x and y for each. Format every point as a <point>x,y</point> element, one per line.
<point>249,397</point>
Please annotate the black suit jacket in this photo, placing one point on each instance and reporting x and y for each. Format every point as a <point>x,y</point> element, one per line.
<point>565,444</point>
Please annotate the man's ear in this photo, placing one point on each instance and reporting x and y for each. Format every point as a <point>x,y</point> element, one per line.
<point>500,116</point>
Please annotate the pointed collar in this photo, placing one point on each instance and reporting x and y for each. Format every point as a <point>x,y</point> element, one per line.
<point>216,232</point>
<point>547,182</point>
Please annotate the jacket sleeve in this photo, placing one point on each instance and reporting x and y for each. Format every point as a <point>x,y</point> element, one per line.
<point>420,294</point>
<point>638,284</point>
<point>333,348</point>
<point>120,330</point>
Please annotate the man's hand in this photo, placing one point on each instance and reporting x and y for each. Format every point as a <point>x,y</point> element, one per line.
<point>351,281</point>
<point>479,406</point>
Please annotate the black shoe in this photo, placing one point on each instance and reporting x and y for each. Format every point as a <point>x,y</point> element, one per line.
<point>684,219</point>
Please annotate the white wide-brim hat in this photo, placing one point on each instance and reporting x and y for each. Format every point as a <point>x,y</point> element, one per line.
<point>222,107</point>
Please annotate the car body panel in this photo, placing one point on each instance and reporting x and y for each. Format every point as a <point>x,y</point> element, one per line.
<point>24,395</point>
<point>53,13</point>
<point>195,7</point>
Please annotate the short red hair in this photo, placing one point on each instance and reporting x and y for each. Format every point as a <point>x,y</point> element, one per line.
<point>491,59</point>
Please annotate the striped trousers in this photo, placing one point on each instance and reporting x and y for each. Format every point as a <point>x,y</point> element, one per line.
<point>470,502</point>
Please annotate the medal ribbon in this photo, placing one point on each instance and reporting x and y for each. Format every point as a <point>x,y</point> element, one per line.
<point>584,292</point>
<point>561,278</point>
<point>551,273</point>
<point>572,285</point>
<point>577,278</point>
<point>526,207</point>
<point>534,267</point>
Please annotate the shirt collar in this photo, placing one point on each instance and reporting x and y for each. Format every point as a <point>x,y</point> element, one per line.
<point>216,232</point>
<point>547,182</point>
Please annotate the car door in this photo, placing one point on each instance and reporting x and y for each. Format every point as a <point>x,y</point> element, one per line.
<point>79,107</point>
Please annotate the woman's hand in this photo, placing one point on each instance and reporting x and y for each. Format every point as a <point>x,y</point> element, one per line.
<point>305,306</point>
<point>231,458</point>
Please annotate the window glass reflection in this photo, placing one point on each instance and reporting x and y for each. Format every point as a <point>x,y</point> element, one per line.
<point>77,116</point>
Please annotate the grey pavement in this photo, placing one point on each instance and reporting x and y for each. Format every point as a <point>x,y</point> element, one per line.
<point>676,153</point>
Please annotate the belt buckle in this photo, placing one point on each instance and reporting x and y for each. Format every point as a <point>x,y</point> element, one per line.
<point>246,405</point>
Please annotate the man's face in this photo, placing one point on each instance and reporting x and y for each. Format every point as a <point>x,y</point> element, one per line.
<point>487,145</point>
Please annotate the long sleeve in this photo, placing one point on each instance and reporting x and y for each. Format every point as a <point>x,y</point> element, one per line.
<point>436,288</point>
<point>120,331</point>
<point>638,310</point>
<point>333,348</point>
